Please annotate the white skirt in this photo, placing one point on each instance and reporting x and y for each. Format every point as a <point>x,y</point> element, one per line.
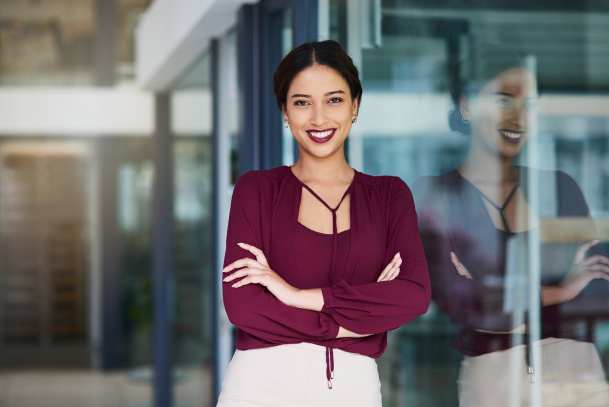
<point>295,376</point>
<point>570,375</point>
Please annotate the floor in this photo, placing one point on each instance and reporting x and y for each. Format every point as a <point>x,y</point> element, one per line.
<point>86,388</point>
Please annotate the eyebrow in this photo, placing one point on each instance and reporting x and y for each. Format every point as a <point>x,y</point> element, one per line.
<point>512,95</point>
<point>334,92</point>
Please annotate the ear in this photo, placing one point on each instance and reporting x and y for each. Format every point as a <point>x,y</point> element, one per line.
<point>464,107</point>
<point>284,113</point>
<point>355,106</point>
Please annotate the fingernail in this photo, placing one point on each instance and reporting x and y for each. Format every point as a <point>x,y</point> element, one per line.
<point>452,254</point>
<point>239,244</point>
<point>225,279</point>
<point>234,285</point>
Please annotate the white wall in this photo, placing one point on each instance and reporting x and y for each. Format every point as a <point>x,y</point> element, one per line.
<point>75,112</point>
<point>173,33</point>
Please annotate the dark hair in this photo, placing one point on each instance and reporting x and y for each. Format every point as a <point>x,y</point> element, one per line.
<point>328,53</point>
<point>472,73</point>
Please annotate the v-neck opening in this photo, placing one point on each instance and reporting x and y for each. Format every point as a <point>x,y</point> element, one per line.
<point>308,188</point>
<point>482,198</point>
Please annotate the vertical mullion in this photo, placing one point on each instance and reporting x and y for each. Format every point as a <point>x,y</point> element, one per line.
<point>305,26</point>
<point>249,89</point>
<point>109,256</point>
<point>162,263</point>
<point>271,24</point>
<point>216,159</point>
<point>105,42</point>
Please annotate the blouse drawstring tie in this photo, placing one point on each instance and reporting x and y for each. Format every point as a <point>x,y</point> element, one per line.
<point>330,343</point>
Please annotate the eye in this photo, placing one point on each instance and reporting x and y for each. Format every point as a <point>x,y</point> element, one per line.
<point>301,103</point>
<point>335,100</point>
<point>531,105</point>
<point>503,102</point>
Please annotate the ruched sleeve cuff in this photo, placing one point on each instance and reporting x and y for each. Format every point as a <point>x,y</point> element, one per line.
<point>328,300</point>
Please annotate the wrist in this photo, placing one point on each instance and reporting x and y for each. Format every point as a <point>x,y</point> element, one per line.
<point>310,299</point>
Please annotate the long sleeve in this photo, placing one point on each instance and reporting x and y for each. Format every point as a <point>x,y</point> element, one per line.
<point>253,308</point>
<point>486,302</point>
<point>478,303</point>
<point>379,307</point>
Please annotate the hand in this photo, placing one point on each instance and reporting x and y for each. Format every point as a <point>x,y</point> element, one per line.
<point>460,267</point>
<point>392,270</point>
<point>258,272</point>
<point>582,271</point>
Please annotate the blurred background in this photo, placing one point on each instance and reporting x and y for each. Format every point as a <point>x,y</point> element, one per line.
<point>125,123</point>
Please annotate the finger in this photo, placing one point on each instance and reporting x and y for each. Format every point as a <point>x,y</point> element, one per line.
<point>256,252</point>
<point>393,273</point>
<point>387,269</point>
<point>600,275</point>
<point>240,263</point>
<point>388,275</point>
<point>597,258</point>
<point>247,271</point>
<point>461,269</point>
<point>581,250</point>
<point>454,259</point>
<point>390,267</point>
<point>598,267</point>
<point>245,281</point>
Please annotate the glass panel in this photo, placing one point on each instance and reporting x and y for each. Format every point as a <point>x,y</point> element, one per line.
<point>54,42</point>
<point>286,45</point>
<point>193,329</point>
<point>128,14</point>
<point>47,43</point>
<point>511,273</point>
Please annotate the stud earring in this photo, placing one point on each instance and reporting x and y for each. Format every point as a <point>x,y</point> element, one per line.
<point>464,120</point>
<point>285,124</point>
<point>354,120</point>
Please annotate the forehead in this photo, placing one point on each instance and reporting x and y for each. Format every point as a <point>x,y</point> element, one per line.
<point>317,79</point>
<point>515,81</point>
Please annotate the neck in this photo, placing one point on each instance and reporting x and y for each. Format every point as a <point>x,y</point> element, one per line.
<point>484,167</point>
<point>322,170</point>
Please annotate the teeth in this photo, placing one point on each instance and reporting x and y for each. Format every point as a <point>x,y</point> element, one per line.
<point>511,135</point>
<point>320,134</point>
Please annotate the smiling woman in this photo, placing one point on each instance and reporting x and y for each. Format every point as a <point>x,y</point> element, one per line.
<point>321,260</point>
<point>479,222</point>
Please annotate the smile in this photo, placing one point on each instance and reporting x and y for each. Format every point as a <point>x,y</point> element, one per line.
<point>321,136</point>
<point>511,136</point>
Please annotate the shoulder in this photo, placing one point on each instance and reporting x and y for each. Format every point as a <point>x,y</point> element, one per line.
<point>260,182</point>
<point>389,189</point>
<point>432,186</point>
<point>563,181</point>
<point>260,177</point>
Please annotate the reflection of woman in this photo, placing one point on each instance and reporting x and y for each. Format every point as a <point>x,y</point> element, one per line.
<point>327,259</point>
<point>476,223</point>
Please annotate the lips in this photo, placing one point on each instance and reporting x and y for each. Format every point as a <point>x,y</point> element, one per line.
<point>511,136</point>
<point>321,136</point>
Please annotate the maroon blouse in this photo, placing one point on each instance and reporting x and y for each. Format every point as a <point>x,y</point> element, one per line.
<point>383,221</point>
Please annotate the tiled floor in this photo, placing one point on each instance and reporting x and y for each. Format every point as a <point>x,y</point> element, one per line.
<point>85,388</point>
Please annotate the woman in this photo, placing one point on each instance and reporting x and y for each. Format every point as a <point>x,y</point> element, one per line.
<point>321,260</point>
<point>479,223</point>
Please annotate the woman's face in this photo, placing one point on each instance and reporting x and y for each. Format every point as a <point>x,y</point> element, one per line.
<point>504,112</point>
<point>319,110</point>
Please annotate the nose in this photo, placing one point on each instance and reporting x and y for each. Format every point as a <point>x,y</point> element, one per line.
<point>518,116</point>
<point>318,115</point>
